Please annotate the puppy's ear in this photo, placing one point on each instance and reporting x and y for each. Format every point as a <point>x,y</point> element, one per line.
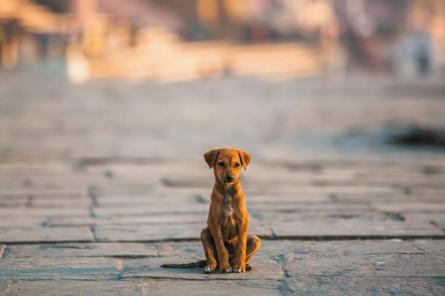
<point>244,157</point>
<point>211,156</point>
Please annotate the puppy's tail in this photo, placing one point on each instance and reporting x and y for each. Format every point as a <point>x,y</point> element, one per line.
<point>200,263</point>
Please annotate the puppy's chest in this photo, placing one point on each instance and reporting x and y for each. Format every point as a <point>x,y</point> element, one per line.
<point>229,210</point>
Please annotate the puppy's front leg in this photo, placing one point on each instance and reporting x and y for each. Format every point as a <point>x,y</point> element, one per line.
<point>240,256</point>
<point>223,255</point>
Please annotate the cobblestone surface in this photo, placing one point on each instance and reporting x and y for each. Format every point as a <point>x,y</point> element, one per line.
<point>95,194</point>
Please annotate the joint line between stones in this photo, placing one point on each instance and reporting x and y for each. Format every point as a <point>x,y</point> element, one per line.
<point>3,251</point>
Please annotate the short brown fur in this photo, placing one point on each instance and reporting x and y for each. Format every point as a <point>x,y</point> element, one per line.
<point>226,242</point>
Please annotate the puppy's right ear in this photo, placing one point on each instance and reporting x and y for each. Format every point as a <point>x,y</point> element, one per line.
<point>210,157</point>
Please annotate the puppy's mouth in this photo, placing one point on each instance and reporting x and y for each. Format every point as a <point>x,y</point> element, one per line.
<point>229,180</point>
<point>229,183</point>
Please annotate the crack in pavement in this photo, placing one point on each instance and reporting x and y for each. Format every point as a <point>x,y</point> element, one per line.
<point>3,251</point>
<point>434,223</point>
<point>284,286</point>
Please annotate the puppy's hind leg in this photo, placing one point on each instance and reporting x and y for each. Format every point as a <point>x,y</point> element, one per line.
<point>253,246</point>
<point>209,250</point>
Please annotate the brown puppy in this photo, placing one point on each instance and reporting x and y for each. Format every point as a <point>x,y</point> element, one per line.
<point>227,245</point>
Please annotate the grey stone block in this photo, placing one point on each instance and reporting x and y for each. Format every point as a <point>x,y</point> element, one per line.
<point>74,287</point>
<point>41,234</point>
<point>213,287</point>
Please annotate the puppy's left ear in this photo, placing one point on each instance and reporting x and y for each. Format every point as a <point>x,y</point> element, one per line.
<point>244,157</point>
<point>210,157</point>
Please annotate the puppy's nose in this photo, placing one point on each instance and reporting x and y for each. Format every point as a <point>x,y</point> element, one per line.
<point>229,178</point>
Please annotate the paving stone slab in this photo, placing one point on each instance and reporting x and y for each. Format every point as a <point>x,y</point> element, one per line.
<point>379,265</point>
<point>153,208</point>
<point>4,286</point>
<point>11,213</point>
<point>309,207</point>
<point>412,207</point>
<point>144,200</point>
<point>22,222</point>
<point>340,227</point>
<point>390,198</point>
<point>183,218</point>
<point>159,193</point>
<point>60,268</point>
<point>148,232</point>
<point>334,189</point>
<point>439,192</point>
<point>413,178</point>
<point>336,248</point>
<point>400,265</point>
<point>309,190</point>
<point>55,194</point>
<point>124,266</point>
<point>111,189</point>
<point>72,287</point>
<point>436,219</point>
<point>365,285</point>
<point>431,246</point>
<point>71,203</point>
<point>114,250</point>
<point>367,163</point>
<point>14,202</point>
<point>253,199</point>
<point>67,183</point>
<point>215,287</point>
<point>350,214</point>
<point>41,234</point>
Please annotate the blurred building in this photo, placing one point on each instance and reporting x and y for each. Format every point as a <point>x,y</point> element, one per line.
<point>156,38</point>
<point>29,31</point>
<point>105,26</point>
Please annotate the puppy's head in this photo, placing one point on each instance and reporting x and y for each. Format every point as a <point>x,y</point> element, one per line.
<point>227,163</point>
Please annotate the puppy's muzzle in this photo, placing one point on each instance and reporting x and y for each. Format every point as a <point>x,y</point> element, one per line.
<point>228,178</point>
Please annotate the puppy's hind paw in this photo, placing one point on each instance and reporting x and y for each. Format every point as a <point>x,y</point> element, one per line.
<point>209,269</point>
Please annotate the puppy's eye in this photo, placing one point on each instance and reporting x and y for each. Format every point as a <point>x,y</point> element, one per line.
<point>221,163</point>
<point>237,164</point>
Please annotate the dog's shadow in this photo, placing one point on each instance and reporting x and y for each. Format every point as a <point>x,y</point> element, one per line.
<point>197,272</point>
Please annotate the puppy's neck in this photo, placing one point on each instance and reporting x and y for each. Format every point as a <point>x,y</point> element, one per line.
<point>228,189</point>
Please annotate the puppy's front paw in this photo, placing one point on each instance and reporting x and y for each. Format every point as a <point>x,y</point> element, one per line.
<point>239,268</point>
<point>209,269</point>
<point>225,268</point>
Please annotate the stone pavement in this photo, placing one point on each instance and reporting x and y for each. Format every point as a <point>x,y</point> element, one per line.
<point>330,227</point>
<point>81,213</point>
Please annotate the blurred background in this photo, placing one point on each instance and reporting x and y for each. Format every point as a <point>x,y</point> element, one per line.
<point>278,77</point>
<point>192,39</point>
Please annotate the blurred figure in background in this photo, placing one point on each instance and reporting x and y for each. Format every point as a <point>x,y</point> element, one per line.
<point>419,48</point>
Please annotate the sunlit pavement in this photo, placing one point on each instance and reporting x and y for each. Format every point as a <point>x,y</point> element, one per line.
<point>101,183</point>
